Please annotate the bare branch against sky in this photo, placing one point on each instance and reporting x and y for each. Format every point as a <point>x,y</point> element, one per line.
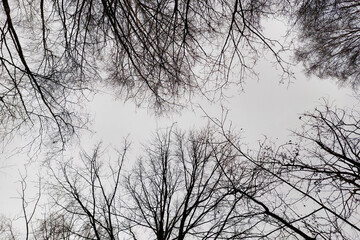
<point>58,58</point>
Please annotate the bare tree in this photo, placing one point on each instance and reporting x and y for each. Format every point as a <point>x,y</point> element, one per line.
<point>323,168</point>
<point>207,185</point>
<point>29,206</point>
<point>25,202</point>
<point>313,183</point>
<point>203,187</point>
<point>200,185</point>
<point>52,51</point>
<point>177,189</point>
<point>254,178</point>
<point>38,90</point>
<point>6,229</point>
<point>86,199</point>
<point>329,36</point>
<point>55,226</point>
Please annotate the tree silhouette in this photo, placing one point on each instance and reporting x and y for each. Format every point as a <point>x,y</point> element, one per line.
<point>314,181</point>
<point>204,187</point>
<point>177,189</point>
<point>151,52</point>
<point>85,199</point>
<point>329,38</point>
<point>196,185</point>
<point>324,164</point>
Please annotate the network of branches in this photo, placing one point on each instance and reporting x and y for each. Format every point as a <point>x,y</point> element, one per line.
<point>154,52</point>
<point>329,38</point>
<point>205,185</point>
<point>184,185</point>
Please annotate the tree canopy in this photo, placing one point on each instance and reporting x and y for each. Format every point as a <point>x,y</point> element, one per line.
<point>155,53</point>
<point>206,185</point>
<point>329,36</point>
<point>158,53</point>
<point>200,184</point>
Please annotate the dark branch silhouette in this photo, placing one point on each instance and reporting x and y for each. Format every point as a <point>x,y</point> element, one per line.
<point>51,52</point>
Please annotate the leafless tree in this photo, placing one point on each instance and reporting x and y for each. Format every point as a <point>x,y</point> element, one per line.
<point>37,86</point>
<point>6,229</point>
<point>54,226</point>
<point>51,51</point>
<point>323,169</point>
<point>177,189</point>
<point>195,185</point>
<point>208,185</point>
<point>329,36</point>
<point>254,179</point>
<point>314,182</point>
<point>28,214</point>
<point>86,199</point>
<point>200,186</point>
<point>29,206</point>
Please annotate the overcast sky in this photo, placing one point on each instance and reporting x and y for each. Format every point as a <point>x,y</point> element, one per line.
<point>266,107</point>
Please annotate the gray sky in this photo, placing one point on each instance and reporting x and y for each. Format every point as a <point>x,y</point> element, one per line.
<point>266,107</point>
